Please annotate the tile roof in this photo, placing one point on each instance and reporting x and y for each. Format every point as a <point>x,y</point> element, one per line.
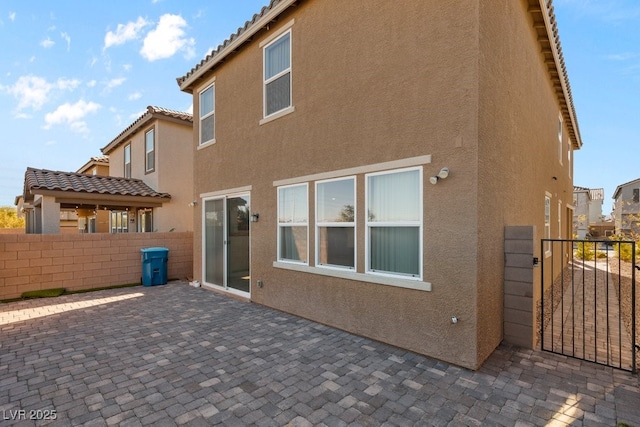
<point>250,27</point>
<point>42,179</point>
<point>152,112</point>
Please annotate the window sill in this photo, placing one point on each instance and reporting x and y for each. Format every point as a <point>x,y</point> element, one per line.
<point>277,115</point>
<point>361,277</point>
<point>206,144</point>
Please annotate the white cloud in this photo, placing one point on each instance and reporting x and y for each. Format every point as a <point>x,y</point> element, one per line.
<point>47,43</point>
<point>12,16</point>
<point>66,38</point>
<point>124,33</point>
<point>72,114</point>
<point>167,39</point>
<point>92,83</point>
<point>134,96</point>
<point>114,83</point>
<point>33,92</point>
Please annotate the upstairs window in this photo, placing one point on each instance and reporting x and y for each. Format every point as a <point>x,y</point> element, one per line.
<point>277,75</point>
<point>207,115</point>
<point>150,151</point>
<point>127,161</point>
<point>560,144</point>
<point>636,195</point>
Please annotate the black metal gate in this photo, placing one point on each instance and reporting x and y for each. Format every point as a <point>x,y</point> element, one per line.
<point>588,301</point>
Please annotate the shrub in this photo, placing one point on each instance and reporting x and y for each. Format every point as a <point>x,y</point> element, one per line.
<point>585,251</point>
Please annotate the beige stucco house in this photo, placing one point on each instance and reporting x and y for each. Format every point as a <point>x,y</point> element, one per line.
<point>143,183</point>
<point>356,163</point>
<point>156,150</point>
<point>587,212</point>
<point>626,208</point>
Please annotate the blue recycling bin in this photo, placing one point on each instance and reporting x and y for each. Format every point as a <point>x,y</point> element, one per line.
<point>154,266</point>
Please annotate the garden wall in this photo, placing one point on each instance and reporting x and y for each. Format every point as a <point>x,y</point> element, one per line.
<point>84,261</point>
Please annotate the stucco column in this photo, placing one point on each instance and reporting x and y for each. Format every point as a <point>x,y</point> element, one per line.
<point>50,211</point>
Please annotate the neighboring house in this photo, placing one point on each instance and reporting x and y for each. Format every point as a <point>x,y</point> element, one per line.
<point>588,210</point>
<point>96,166</point>
<point>156,149</point>
<point>94,220</point>
<point>626,208</point>
<point>322,136</point>
<point>47,194</point>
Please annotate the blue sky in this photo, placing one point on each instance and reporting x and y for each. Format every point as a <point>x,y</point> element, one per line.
<point>74,74</point>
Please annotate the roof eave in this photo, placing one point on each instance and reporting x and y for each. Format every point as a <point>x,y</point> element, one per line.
<point>545,9</point>
<point>187,84</point>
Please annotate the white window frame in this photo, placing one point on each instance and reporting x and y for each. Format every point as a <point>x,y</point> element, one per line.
<point>419,224</point>
<point>207,115</point>
<point>560,143</point>
<point>547,223</point>
<point>265,46</point>
<point>280,225</point>
<point>147,152</point>
<point>127,160</point>
<point>319,224</point>
<point>559,219</point>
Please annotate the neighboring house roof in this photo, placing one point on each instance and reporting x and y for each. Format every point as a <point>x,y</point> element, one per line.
<point>544,23</point>
<point>151,113</point>
<point>619,187</point>
<point>94,161</point>
<point>42,181</point>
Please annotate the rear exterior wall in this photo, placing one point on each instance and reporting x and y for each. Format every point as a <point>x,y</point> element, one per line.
<point>372,83</point>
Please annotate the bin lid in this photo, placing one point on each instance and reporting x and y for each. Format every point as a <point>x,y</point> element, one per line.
<point>154,250</point>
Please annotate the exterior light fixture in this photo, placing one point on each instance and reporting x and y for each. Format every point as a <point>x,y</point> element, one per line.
<point>255,217</point>
<point>444,173</point>
<point>194,203</point>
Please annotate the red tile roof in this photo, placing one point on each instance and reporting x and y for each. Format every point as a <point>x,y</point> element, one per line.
<point>42,179</point>
<point>151,113</point>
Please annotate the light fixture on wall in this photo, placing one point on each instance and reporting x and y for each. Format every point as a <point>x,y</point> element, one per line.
<point>255,217</point>
<point>194,203</point>
<point>444,172</point>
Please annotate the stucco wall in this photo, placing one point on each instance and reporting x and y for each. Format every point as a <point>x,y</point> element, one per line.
<point>84,261</point>
<point>519,160</point>
<point>174,157</point>
<point>372,83</point>
<point>173,172</point>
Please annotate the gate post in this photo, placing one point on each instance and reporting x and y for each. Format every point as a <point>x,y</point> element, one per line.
<point>518,285</point>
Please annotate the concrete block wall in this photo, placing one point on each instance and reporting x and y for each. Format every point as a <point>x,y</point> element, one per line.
<point>518,285</point>
<point>84,261</point>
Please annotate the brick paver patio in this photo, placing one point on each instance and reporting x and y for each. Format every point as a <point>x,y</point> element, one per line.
<point>177,355</point>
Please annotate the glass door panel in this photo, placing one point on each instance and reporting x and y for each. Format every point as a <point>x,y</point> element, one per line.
<point>238,243</point>
<point>214,237</point>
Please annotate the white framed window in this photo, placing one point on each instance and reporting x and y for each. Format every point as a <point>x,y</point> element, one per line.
<point>569,164</point>
<point>150,150</point>
<point>145,220</point>
<point>335,223</point>
<point>394,223</point>
<point>207,115</point>
<point>547,223</point>
<point>127,161</point>
<point>560,144</point>
<point>293,220</point>
<point>559,219</point>
<point>119,221</point>
<point>277,75</point>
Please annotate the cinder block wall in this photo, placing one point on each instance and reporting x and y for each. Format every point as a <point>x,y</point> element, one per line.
<point>518,285</point>
<point>84,261</point>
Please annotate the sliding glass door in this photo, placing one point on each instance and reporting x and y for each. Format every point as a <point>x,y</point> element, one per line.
<point>226,243</point>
